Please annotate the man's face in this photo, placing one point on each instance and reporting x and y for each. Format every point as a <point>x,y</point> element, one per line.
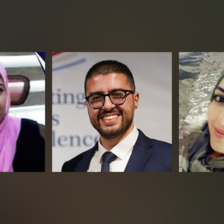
<point>216,120</point>
<point>111,120</point>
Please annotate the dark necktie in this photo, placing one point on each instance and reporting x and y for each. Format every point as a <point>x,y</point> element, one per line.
<point>107,158</point>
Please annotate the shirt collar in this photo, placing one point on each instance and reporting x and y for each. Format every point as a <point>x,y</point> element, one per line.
<point>122,148</point>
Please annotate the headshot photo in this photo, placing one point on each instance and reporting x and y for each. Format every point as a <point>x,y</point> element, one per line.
<point>22,112</point>
<point>201,117</point>
<point>112,112</point>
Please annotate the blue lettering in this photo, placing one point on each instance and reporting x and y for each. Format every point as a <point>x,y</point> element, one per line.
<point>59,98</point>
<point>55,120</point>
<point>85,138</point>
<point>61,139</point>
<point>73,140</point>
<point>80,100</point>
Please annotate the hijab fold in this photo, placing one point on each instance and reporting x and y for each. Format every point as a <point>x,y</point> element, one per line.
<point>9,130</point>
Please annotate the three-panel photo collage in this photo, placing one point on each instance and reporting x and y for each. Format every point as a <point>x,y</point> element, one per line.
<point>111,112</point>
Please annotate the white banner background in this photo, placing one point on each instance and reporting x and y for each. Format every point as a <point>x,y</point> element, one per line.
<point>72,132</point>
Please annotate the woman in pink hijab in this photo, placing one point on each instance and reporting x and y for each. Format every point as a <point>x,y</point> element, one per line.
<point>22,148</point>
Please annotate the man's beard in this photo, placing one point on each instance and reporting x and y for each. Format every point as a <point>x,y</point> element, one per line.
<point>111,132</point>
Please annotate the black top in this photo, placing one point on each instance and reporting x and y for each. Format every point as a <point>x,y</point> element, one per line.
<point>30,148</point>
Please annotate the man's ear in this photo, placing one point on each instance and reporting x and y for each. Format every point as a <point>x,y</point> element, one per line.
<point>136,99</point>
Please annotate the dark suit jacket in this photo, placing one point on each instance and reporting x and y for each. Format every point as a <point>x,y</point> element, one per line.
<point>149,155</point>
<point>30,148</point>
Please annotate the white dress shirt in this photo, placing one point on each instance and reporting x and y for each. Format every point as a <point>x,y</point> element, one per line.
<point>122,150</point>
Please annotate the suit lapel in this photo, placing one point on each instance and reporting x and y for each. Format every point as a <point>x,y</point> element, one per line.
<point>140,154</point>
<point>83,164</point>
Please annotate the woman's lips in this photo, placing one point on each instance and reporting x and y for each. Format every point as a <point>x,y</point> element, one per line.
<point>219,133</point>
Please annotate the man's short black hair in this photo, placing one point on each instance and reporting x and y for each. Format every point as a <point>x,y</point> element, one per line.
<point>107,67</point>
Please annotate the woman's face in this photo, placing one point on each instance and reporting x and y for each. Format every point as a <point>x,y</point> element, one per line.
<point>2,100</point>
<point>216,119</point>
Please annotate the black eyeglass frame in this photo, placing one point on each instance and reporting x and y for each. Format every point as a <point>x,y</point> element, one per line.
<point>108,94</point>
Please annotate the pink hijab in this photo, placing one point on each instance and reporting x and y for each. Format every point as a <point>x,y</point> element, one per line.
<point>9,131</point>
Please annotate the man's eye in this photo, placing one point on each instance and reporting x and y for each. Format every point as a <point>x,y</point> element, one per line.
<point>96,98</point>
<point>117,95</point>
<point>219,99</point>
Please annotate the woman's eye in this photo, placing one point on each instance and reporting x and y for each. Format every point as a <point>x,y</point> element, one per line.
<point>219,99</point>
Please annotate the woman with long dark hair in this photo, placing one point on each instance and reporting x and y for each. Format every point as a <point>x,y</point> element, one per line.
<point>207,153</point>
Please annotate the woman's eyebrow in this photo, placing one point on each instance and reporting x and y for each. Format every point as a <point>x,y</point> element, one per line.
<point>220,88</point>
<point>1,84</point>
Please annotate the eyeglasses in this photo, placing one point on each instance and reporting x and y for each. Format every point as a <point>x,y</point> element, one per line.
<point>117,97</point>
